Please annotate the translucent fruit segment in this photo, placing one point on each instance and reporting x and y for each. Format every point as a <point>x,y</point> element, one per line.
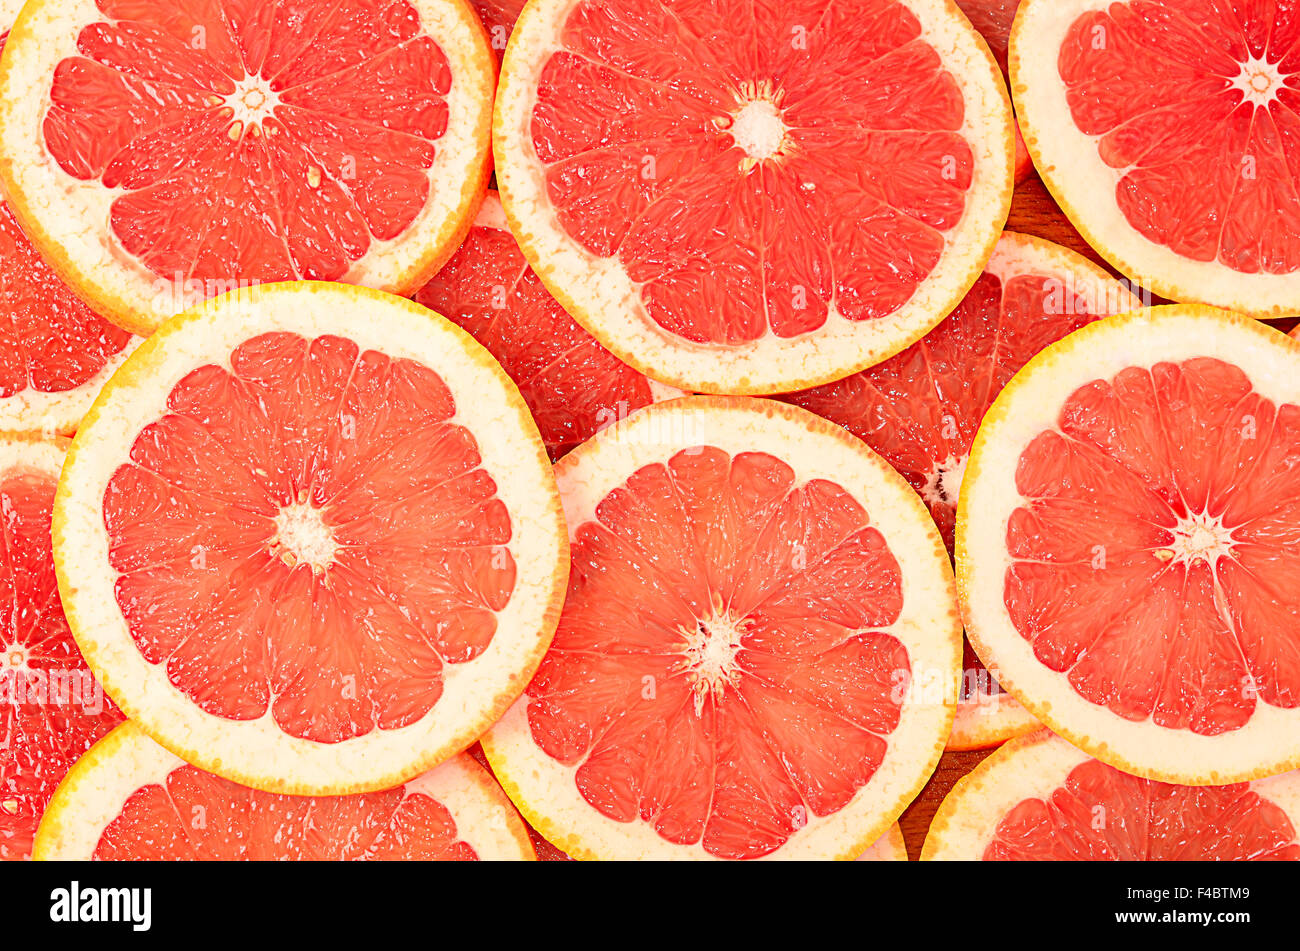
<point>722,669</point>
<point>307,533</point>
<point>809,165</point>
<point>1205,136</point>
<point>242,146</point>
<point>50,341</point>
<point>51,708</point>
<point>1102,814</point>
<point>921,408</point>
<point>193,815</point>
<point>1151,559</point>
<point>498,18</point>
<point>573,386</point>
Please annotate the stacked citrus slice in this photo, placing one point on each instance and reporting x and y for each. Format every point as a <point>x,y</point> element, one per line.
<point>128,798</point>
<point>1168,134</point>
<point>158,155</point>
<point>758,653</point>
<point>1125,540</point>
<point>573,386</point>
<point>1040,799</point>
<point>921,408</point>
<point>761,213</point>
<point>51,707</point>
<point>310,540</point>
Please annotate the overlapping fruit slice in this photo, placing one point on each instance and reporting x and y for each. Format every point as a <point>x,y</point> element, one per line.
<point>498,18</point>
<point>572,384</point>
<point>1041,799</point>
<point>55,353</point>
<point>51,707</point>
<point>309,538</point>
<point>758,652</point>
<point>993,19</point>
<point>158,154</point>
<point>921,408</point>
<point>1126,540</point>
<point>1169,133</point>
<point>750,198</point>
<point>130,799</point>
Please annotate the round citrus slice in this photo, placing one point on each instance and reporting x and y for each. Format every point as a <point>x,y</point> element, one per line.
<point>920,409</point>
<point>1169,134</point>
<point>572,384</point>
<point>55,353</point>
<point>309,538</point>
<point>758,653</point>
<point>759,215</point>
<point>1126,539</point>
<point>1040,799</point>
<point>159,154</point>
<point>51,707</point>
<point>130,799</point>
<point>498,18</point>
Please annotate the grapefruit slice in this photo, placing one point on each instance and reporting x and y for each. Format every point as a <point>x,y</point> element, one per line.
<point>130,799</point>
<point>498,18</point>
<point>993,19</point>
<point>758,653</point>
<point>309,538</point>
<point>51,707</point>
<point>572,384</point>
<point>159,154</point>
<point>749,198</point>
<point>1169,134</point>
<point>55,352</point>
<point>888,848</point>
<point>921,408</point>
<point>1125,543</point>
<point>1040,799</point>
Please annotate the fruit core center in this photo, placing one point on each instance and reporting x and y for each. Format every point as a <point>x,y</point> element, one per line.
<point>302,537</point>
<point>1259,81</point>
<point>943,483</point>
<point>1199,536</point>
<point>14,657</point>
<point>709,656</point>
<point>252,102</point>
<point>758,128</point>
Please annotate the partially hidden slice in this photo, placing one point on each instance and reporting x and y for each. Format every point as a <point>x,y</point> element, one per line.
<point>55,352</point>
<point>1126,540</point>
<point>130,799</point>
<point>51,707</point>
<point>498,18</point>
<point>888,848</point>
<point>758,653</point>
<point>160,154</point>
<point>921,408</point>
<point>1040,799</point>
<point>1169,133</point>
<point>310,540</point>
<point>747,199</point>
<point>573,386</point>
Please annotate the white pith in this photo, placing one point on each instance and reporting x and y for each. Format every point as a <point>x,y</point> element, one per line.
<point>758,128</point>
<point>545,789</point>
<point>1259,81</point>
<point>1270,741</point>
<point>1032,767</point>
<point>890,847</point>
<point>304,537</point>
<point>126,760</point>
<point>1199,537</point>
<point>709,656</point>
<point>257,752</point>
<point>72,216</point>
<point>603,297</point>
<point>1072,168</point>
<point>252,102</point>
<point>983,719</point>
